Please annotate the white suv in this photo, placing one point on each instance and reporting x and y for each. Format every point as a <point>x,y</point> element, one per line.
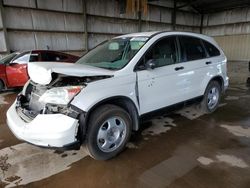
<point>99,100</point>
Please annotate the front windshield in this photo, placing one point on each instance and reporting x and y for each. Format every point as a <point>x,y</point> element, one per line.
<point>7,58</point>
<point>113,54</point>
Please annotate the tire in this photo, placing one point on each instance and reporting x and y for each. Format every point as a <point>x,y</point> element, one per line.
<point>211,98</point>
<point>1,85</point>
<point>109,130</point>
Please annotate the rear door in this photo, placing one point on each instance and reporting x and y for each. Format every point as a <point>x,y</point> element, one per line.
<point>3,63</point>
<point>16,70</point>
<point>196,63</point>
<point>168,83</point>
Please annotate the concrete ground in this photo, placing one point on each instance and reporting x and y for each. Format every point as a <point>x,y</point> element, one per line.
<point>182,149</point>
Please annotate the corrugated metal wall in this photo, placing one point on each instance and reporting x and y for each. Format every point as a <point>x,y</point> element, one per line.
<point>44,24</point>
<point>236,47</point>
<point>59,24</point>
<point>231,29</point>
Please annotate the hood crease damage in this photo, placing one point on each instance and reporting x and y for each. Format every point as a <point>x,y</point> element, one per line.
<point>42,72</point>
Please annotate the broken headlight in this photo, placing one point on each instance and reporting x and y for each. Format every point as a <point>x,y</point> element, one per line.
<point>60,95</point>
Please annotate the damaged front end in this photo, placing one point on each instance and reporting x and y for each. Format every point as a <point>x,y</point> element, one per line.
<point>55,98</point>
<point>49,99</point>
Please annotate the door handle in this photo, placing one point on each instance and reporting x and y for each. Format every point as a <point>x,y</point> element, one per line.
<point>178,68</point>
<point>208,62</point>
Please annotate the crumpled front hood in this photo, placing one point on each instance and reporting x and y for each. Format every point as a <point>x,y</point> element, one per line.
<point>40,72</point>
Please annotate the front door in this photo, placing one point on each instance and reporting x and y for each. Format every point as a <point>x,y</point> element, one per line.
<point>16,70</point>
<point>168,82</point>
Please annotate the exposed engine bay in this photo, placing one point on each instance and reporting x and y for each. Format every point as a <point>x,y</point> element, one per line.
<point>29,104</point>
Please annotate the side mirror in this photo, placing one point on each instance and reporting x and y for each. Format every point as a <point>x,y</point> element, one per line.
<point>150,64</point>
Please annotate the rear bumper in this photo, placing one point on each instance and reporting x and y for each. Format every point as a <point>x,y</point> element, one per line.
<point>46,130</point>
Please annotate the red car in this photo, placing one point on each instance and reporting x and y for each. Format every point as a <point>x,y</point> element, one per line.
<point>13,68</point>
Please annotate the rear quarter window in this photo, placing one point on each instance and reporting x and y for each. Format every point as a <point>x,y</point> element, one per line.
<point>192,48</point>
<point>211,49</point>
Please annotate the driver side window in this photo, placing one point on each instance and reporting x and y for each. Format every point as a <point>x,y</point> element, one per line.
<point>163,52</point>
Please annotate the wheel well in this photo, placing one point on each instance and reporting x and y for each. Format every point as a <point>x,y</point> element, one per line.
<point>1,81</point>
<point>123,102</point>
<point>220,80</point>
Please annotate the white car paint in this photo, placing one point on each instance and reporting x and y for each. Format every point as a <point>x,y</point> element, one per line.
<point>157,88</point>
<point>42,130</point>
<point>127,89</point>
<point>162,87</point>
<point>186,88</point>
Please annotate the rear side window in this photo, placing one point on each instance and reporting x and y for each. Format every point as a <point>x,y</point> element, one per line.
<point>211,49</point>
<point>34,57</point>
<point>47,56</point>
<point>192,48</point>
<point>62,57</point>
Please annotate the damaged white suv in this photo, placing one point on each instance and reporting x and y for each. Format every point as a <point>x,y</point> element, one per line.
<point>99,100</point>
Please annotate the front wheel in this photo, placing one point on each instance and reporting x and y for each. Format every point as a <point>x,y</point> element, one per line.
<point>211,97</point>
<point>109,130</point>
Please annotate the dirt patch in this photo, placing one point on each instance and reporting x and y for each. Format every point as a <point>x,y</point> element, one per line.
<point>131,145</point>
<point>223,158</point>
<point>24,163</point>
<point>205,161</point>
<point>238,130</point>
<point>4,165</point>
<point>191,112</point>
<point>232,161</point>
<point>159,125</point>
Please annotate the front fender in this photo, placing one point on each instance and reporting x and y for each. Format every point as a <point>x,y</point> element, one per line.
<point>97,91</point>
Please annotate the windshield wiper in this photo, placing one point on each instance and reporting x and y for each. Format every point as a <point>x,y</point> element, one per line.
<point>110,68</point>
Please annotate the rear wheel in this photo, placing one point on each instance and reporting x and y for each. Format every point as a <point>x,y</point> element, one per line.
<point>108,132</point>
<point>212,97</point>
